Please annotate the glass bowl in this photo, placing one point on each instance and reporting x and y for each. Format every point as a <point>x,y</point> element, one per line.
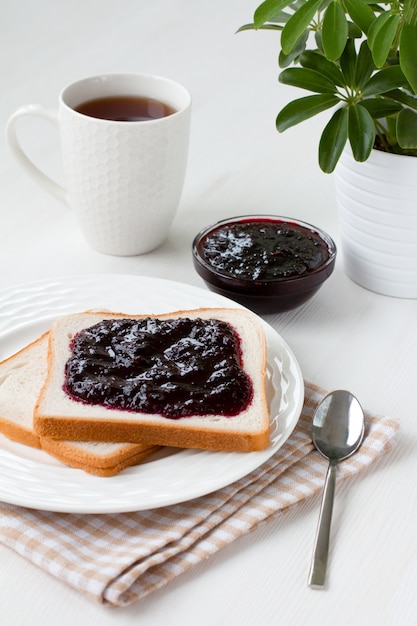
<point>269,264</point>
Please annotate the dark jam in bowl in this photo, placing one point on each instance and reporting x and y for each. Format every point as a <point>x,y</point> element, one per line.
<point>174,367</point>
<point>269,264</point>
<point>263,250</point>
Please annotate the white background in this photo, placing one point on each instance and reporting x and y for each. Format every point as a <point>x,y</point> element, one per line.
<point>345,337</point>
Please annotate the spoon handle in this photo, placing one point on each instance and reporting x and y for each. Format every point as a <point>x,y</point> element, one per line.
<point>318,567</point>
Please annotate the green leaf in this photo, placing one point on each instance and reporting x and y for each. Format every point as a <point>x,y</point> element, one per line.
<point>252,27</point>
<point>407,129</point>
<point>408,51</point>
<point>400,96</point>
<point>307,79</point>
<point>334,31</point>
<point>319,43</point>
<point>381,107</point>
<point>302,109</point>
<point>316,61</point>
<point>383,38</point>
<point>281,18</point>
<point>348,62</point>
<point>267,11</point>
<point>376,25</point>
<point>298,23</point>
<point>361,13</point>
<point>364,67</point>
<point>391,131</point>
<point>284,60</point>
<point>354,32</point>
<point>385,80</point>
<point>245,27</point>
<point>333,140</point>
<point>361,132</point>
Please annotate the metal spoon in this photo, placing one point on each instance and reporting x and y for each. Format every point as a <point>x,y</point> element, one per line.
<point>338,427</point>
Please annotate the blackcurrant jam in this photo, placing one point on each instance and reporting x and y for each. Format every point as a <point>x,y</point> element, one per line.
<point>173,367</point>
<point>263,249</point>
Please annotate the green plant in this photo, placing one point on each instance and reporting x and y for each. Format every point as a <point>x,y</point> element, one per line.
<point>363,62</point>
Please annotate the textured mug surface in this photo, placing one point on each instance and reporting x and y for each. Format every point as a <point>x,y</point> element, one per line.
<point>377,204</point>
<point>123,179</point>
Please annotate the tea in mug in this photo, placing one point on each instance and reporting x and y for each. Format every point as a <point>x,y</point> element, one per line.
<point>125,108</point>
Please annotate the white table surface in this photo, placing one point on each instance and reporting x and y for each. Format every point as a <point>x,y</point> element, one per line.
<point>345,337</point>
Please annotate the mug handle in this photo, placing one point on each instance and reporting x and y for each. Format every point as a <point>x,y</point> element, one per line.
<point>45,181</point>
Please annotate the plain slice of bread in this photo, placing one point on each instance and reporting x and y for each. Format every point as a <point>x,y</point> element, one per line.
<point>21,378</point>
<point>59,416</point>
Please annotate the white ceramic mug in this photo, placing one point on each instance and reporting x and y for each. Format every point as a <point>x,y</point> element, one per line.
<point>124,179</point>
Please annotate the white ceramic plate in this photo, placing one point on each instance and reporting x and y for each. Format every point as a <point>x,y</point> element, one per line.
<point>34,479</point>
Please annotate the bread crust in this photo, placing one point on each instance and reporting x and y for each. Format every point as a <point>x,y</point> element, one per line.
<point>58,416</point>
<point>67,452</point>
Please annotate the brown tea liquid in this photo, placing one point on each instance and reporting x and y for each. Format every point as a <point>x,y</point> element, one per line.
<point>125,108</point>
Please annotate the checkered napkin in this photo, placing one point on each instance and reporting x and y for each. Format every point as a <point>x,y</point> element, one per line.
<point>119,558</point>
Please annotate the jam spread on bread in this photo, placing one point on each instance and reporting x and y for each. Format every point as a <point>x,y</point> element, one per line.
<point>263,249</point>
<point>172,367</point>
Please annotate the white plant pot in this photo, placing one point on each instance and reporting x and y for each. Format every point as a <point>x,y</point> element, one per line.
<point>377,203</point>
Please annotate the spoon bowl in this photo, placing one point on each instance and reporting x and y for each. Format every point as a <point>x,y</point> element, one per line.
<point>338,429</point>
